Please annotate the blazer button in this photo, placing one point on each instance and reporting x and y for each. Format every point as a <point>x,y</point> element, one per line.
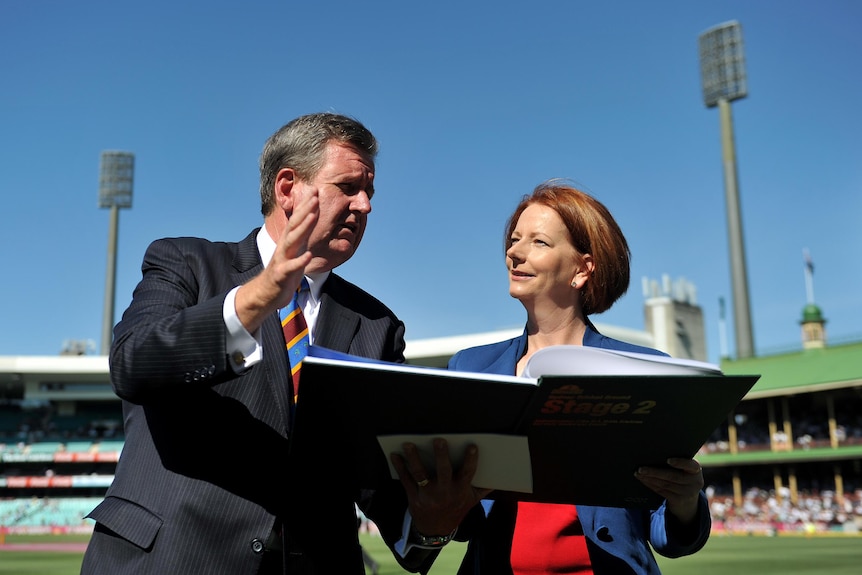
<point>257,546</point>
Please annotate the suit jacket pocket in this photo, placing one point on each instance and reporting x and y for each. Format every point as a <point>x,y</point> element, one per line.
<point>128,520</point>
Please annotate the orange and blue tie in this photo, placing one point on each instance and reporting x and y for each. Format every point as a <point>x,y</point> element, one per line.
<point>295,336</point>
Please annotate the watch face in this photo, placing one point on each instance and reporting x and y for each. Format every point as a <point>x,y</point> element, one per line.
<point>433,541</point>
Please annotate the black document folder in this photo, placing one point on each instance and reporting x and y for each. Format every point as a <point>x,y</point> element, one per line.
<point>586,434</point>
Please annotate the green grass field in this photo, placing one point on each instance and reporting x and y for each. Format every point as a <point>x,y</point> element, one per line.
<point>722,556</point>
<point>793,555</point>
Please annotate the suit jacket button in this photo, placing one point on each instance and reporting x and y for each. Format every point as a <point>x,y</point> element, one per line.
<point>257,546</point>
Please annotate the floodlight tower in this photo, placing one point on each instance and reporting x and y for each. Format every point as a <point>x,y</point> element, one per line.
<point>722,70</point>
<point>116,175</point>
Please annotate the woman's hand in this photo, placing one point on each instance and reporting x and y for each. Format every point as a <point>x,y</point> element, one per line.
<point>438,499</point>
<point>680,486</point>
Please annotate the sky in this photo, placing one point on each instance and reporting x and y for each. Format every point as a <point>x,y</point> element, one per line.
<point>474,104</point>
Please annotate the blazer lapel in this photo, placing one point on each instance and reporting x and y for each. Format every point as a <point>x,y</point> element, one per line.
<point>246,265</point>
<point>337,324</point>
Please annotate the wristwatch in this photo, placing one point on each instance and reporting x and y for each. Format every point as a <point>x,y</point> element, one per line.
<point>430,541</point>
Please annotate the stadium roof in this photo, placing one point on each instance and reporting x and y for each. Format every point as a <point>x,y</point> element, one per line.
<point>819,369</point>
<point>85,377</point>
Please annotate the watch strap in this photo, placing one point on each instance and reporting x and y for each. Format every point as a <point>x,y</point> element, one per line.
<point>430,541</point>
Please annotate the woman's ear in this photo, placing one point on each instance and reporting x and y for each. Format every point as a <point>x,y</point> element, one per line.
<point>583,271</point>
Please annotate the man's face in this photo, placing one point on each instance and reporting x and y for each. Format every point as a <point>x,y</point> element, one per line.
<point>345,186</point>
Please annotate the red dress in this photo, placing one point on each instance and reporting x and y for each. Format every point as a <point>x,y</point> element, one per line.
<point>548,540</point>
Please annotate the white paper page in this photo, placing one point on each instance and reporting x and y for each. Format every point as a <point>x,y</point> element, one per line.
<point>584,360</point>
<point>504,460</point>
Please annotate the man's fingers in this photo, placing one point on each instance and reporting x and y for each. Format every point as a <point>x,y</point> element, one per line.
<point>471,463</point>
<point>401,469</point>
<point>442,461</point>
<point>294,240</point>
<point>687,465</point>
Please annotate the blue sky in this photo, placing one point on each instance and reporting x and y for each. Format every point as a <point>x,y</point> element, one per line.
<point>474,104</point>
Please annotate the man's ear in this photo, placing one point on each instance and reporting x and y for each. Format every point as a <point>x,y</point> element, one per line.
<point>285,190</point>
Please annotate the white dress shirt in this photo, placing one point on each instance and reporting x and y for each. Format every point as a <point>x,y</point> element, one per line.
<point>245,349</point>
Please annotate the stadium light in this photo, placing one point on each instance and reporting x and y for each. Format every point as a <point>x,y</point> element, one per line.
<point>722,70</point>
<point>116,175</point>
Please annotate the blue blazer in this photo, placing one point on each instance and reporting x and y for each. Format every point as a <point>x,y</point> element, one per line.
<point>618,539</point>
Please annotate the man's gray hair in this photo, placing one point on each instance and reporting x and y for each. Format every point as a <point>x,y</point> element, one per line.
<point>300,144</point>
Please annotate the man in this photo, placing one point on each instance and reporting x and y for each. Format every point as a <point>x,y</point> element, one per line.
<point>199,361</point>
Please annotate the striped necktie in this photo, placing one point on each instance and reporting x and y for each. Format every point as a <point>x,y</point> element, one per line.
<point>295,335</point>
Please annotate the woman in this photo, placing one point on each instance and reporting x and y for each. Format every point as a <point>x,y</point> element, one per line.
<point>568,259</point>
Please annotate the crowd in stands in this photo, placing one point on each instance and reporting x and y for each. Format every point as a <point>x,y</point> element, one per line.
<point>25,434</point>
<point>753,435</point>
<point>46,514</point>
<point>55,448</point>
<point>43,423</point>
<point>762,513</point>
<point>767,512</point>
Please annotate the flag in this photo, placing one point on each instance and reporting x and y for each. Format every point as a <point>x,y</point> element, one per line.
<point>809,265</point>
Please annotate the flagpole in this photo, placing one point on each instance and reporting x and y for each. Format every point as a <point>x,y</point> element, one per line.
<point>809,275</point>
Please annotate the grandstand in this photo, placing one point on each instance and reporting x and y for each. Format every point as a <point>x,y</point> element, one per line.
<point>788,458</point>
<point>795,441</point>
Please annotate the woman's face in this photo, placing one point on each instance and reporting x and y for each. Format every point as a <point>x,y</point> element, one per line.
<point>541,259</point>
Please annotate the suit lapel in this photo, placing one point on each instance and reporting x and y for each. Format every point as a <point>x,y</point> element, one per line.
<point>336,325</point>
<point>246,265</point>
<point>246,261</point>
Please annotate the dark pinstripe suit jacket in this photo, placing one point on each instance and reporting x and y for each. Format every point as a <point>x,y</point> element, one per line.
<point>201,478</point>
